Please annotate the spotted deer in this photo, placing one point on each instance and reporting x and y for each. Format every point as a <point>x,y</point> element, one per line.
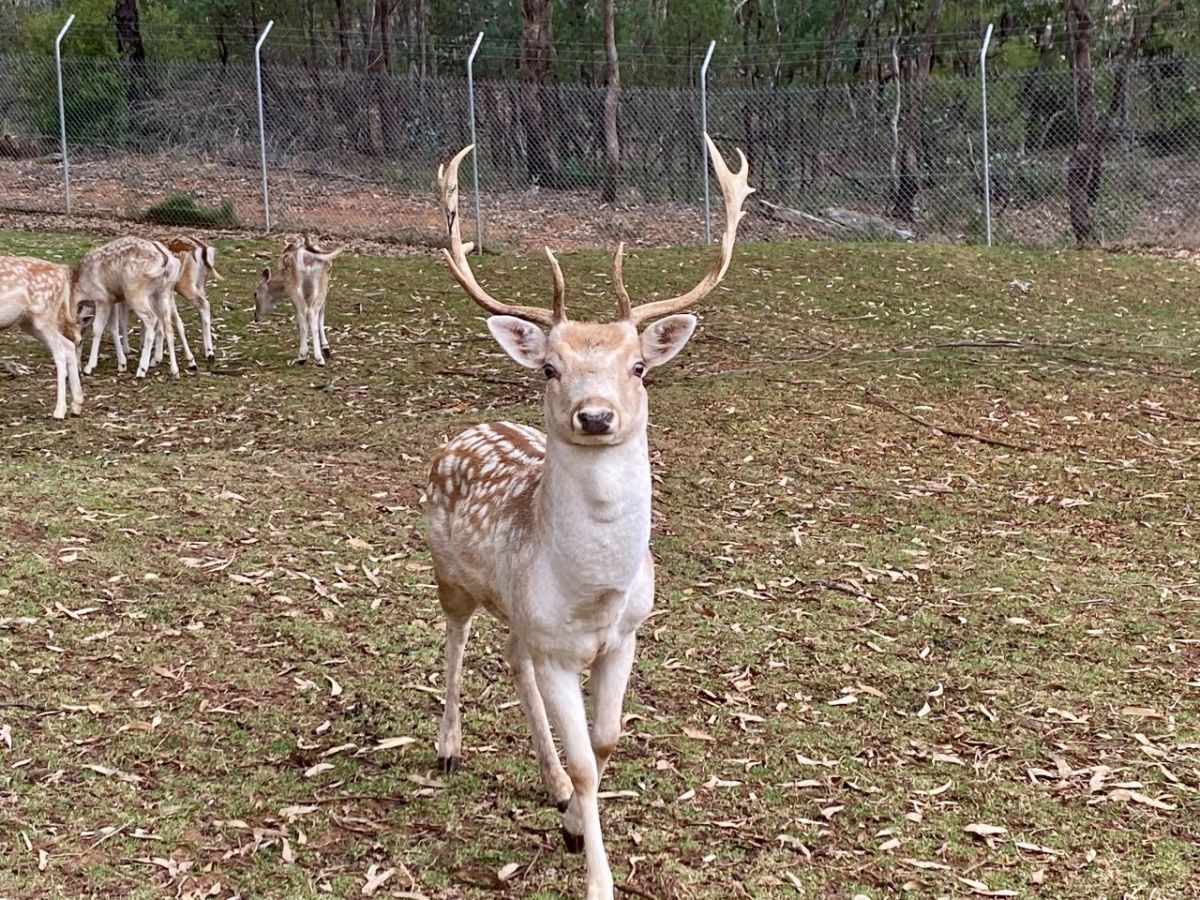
<point>197,263</point>
<point>550,532</point>
<point>35,296</point>
<point>139,273</point>
<point>303,278</point>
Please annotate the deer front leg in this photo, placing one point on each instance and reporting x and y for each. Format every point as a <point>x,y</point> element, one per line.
<point>120,336</point>
<point>99,323</point>
<point>559,688</point>
<point>187,350</point>
<point>449,744</point>
<point>554,777</point>
<point>149,330</point>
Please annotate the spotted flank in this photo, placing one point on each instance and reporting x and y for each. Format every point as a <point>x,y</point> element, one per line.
<point>483,469</point>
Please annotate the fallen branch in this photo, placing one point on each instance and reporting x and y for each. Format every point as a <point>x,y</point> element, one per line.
<point>940,429</point>
<point>839,222</point>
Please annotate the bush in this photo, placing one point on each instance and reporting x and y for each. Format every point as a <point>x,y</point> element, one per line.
<point>182,209</point>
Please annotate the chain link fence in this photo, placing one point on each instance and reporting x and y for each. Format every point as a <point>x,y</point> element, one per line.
<point>354,153</point>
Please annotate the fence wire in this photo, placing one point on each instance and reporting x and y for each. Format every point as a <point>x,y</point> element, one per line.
<point>352,152</point>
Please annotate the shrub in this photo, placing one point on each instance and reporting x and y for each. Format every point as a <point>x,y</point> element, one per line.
<point>182,209</point>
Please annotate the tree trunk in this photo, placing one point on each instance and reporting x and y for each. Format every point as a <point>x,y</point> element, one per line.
<point>1086,164</point>
<point>537,77</point>
<point>380,67</point>
<point>908,176</point>
<point>343,35</point>
<point>130,46</point>
<point>612,99</point>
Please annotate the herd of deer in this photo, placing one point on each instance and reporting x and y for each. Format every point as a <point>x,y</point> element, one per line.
<point>549,532</point>
<point>51,302</point>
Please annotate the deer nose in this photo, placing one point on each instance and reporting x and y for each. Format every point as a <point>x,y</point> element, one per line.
<point>594,421</point>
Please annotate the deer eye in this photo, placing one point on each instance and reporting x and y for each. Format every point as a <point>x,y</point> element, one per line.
<point>550,371</point>
<point>639,369</point>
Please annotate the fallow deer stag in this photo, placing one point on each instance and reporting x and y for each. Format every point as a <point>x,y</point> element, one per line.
<point>35,295</point>
<point>551,532</point>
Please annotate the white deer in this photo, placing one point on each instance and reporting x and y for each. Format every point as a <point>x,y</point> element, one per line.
<point>304,279</point>
<point>137,272</point>
<point>35,295</point>
<point>551,532</point>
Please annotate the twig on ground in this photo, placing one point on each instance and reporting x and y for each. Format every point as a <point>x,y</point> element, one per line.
<point>941,429</point>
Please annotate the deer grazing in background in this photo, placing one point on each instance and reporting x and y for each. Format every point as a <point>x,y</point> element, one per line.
<point>35,295</point>
<point>550,532</point>
<point>139,273</point>
<point>197,261</point>
<point>304,279</point>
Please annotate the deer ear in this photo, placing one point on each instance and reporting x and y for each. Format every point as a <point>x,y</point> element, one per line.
<point>666,337</point>
<point>523,341</point>
<point>266,274</point>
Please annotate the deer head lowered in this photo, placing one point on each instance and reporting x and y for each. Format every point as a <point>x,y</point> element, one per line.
<point>550,532</point>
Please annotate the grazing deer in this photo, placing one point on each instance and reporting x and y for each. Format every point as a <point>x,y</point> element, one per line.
<point>303,279</point>
<point>135,271</point>
<point>35,295</point>
<point>197,261</point>
<point>551,532</point>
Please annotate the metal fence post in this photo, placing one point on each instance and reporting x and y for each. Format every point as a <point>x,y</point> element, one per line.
<point>475,155</point>
<point>703,132</point>
<point>62,110</point>
<point>262,131</point>
<point>987,175</point>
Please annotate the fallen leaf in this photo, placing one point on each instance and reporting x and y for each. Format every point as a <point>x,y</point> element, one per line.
<point>317,769</point>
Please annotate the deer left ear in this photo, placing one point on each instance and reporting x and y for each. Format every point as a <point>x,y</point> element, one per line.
<point>523,341</point>
<point>666,337</point>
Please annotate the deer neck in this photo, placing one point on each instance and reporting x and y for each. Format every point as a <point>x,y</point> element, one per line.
<point>594,511</point>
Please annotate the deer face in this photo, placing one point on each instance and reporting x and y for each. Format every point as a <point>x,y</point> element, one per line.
<point>594,388</point>
<point>263,301</point>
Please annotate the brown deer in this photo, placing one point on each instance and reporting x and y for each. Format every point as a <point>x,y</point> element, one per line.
<point>35,295</point>
<point>304,279</point>
<point>551,532</point>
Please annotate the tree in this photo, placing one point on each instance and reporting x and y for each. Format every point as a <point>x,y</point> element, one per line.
<point>916,73</point>
<point>130,46</point>
<point>537,76</point>
<point>612,99</point>
<point>1085,168</point>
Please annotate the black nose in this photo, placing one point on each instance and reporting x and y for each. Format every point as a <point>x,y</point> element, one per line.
<point>594,422</point>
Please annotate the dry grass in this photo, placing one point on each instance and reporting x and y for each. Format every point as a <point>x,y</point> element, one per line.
<point>927,603</point>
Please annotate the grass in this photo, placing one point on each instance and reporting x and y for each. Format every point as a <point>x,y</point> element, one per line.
<point>871,635</point>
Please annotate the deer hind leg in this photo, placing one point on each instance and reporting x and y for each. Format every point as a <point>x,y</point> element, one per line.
<point>314,324</point>
<point>554,776</point>
<point>149,334</point>
<point>206,338</point>
<point>324,334</point>
<point>459,609</point>
<point>302,327</point>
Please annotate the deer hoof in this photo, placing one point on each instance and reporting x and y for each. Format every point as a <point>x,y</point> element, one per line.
<point>327,351</point>
<point>449,764</point>
<point>192,366</point>
<point>299,360</point>
<point>211,358</point>
<point>573,842</point>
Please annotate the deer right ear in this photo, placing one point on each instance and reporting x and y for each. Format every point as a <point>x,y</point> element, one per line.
<point>266,274</point>
<point>523,341</point>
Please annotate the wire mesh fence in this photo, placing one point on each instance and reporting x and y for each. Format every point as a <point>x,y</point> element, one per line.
<point>353,152</point>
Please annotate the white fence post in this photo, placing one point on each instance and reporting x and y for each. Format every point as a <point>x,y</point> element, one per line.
<point>987,175</point>
<point>62,111</point>
<point>703,132</point>
<point>475,155</point>
<point>262,131</point>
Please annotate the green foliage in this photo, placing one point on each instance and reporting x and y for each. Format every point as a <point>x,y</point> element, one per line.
<point>182,209</point>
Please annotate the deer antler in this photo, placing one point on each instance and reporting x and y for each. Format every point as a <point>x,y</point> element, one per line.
<point>735,190</point>
<point>456,257</point>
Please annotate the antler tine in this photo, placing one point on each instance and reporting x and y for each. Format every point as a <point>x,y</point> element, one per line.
<point>623,304</point>
<point>456,254</point>
<point>560,287</point>
<point>735,190</point>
